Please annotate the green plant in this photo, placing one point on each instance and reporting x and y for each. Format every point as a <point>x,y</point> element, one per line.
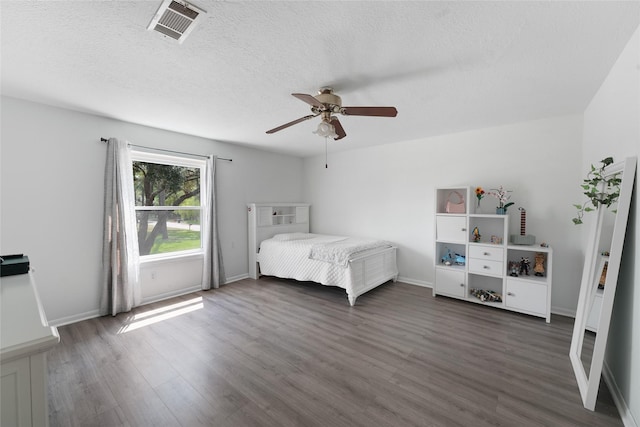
<point>599,189</point>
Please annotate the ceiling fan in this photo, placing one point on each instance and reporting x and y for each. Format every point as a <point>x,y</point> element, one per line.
<point>326,104</point>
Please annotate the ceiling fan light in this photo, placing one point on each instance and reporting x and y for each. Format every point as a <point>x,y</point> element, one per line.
<point>326,130</point>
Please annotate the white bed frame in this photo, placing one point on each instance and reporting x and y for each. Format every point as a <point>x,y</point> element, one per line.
<point>369,270</point>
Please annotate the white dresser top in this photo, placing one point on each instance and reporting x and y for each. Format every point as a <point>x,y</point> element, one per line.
<point>23,325</point>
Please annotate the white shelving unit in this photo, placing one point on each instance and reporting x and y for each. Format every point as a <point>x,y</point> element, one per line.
<point>484,270</point>
<point>267,219</point>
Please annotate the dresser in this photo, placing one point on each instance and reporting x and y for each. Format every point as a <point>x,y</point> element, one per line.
<point>24,341</point>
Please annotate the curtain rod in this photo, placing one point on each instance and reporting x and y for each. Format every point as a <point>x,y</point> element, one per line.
<point>171,151</point>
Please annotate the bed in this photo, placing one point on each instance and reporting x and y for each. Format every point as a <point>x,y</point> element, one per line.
<point>354,264</point>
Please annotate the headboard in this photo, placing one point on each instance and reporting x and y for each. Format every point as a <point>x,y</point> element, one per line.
<point>265,220</point>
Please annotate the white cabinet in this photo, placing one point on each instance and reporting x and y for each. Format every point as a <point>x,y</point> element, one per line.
<point>24,340</point>
<point>526,297</point>
<point>451,228</point>
<point>472,260</point>
<point>268,219</point>
<point>451,282</point>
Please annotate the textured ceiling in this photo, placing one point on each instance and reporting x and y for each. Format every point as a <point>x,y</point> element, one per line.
<point>446,66</point>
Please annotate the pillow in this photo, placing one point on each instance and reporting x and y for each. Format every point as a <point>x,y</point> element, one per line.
<point>285,237</point>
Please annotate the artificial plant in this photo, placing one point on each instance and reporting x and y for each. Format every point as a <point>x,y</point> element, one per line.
<point>599,189</point>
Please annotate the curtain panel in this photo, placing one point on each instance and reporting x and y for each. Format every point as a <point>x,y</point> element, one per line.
<point>120,254</point>
<point>213,268</point>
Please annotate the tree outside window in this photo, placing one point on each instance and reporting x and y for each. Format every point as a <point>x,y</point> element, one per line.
<point>167,199</point>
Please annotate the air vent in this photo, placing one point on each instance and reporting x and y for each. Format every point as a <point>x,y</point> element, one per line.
<point>176,19</point>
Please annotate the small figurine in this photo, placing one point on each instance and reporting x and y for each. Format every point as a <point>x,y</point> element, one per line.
<point>538,268</point>
<point>476,235</point>
<point>447,258</point>
<point>514,268</point>
<point>524,265</point>
<point>460,259</point>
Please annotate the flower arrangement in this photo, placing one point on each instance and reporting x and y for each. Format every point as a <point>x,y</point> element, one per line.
<point>502,196</point>
<point>600,190</point>
<point>479,194</point>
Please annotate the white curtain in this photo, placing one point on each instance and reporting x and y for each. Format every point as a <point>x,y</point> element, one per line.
<point>120,255</point>
<point>213,269</point>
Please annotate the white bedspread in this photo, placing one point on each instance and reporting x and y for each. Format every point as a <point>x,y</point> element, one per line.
<point>339,252</point>
<point>289,258</point>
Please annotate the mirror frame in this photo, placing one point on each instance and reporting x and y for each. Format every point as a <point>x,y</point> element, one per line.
<point>588,385</point>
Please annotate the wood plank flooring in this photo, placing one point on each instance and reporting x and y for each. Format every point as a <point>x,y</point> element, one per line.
<point>281,353</point>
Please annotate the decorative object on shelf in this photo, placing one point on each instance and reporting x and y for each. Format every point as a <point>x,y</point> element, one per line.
<point>476,234</point>
<point>603,275</point>
<point>486,296</point>
<point>525,266</point>
<point>496,240</point>
<point>447,259</point>
<point>538,267</point>
<point>514,268</point>
<point>523,238</point>
<point>502,196</point>
<point>599,189</point>
<point>544,245</point>
<point>453,207</point>
<point>479,194</point>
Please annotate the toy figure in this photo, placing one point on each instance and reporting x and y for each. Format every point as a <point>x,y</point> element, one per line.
<point>538,268</point>
<point>476,235</point>
<point>524,265</point>
<point>514,268</point>
<point>446,258</point>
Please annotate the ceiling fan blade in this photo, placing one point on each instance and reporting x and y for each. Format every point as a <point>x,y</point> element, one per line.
<point>295,122</point>
<point>370,111</point>
<point>338,128</point>
<point>308,99</point>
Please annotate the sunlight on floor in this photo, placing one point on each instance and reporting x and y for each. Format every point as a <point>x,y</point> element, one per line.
<point>159,314</point>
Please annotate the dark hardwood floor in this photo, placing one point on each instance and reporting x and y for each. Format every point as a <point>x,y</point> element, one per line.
<point>280,353</point>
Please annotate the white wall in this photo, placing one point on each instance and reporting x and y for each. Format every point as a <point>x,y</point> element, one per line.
<point>52,171</point>
<point>388,191</point>
<point>612,128</point>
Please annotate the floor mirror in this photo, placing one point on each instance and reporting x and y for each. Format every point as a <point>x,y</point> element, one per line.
<point>598,286</point>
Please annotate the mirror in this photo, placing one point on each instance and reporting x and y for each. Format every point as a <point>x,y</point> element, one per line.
<point>591,327</point>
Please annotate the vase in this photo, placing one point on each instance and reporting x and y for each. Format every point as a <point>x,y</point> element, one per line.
<point>501,211</point>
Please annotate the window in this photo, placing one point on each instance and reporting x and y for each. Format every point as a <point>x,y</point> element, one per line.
<point>167,203</point>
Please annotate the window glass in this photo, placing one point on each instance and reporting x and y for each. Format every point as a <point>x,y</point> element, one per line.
<point>168,210</point>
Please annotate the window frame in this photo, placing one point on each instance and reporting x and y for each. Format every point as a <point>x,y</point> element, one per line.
<point>172,160</point>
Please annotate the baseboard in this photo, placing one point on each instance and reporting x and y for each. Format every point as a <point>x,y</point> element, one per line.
<point>167,295</point>
<point>148,300</point>
<point>415,282</point>
<point>625,413</point>
<point>75,318</point>
<point>561,311</point>
<point>236,278</point>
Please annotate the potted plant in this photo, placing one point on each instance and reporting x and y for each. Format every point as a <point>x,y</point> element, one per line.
<point>599,189</point>
<point>503,198</point>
